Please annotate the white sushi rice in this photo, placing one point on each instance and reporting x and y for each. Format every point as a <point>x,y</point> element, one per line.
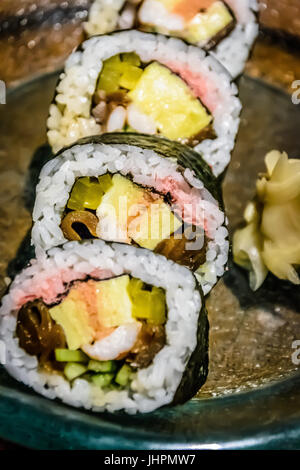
<point>70,115</point>
<point>153,386</point>
<point>233,51</point>
<point>109,15</point>
<point>145,167</point>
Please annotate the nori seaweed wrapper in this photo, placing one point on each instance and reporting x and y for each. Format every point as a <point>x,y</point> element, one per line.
<point>184,155</point>
<point>26,251</point>
<point>196,370</point>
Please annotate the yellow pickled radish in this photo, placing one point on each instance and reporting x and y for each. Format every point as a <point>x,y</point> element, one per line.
<point>110,75</point>
<point>109,80</point>
<point>117,73</point>
<point>131,58</point>
<point>113,62</point>
<point>105,182</point>
<point>147,304</point>
<point>130,77</point>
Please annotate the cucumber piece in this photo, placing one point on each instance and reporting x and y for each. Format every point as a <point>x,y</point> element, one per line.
<point>102,366</point>
<point>124,375</point>
<point>87,376</point>
<point>102,380</point>
<point>73,370</point>
<point>69,355</point>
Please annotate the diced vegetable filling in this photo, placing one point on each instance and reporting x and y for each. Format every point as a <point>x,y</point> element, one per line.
<point>114,208</point>
<point>101,331</point>
<point>211,25</point>
<point>201,22</point>
<point>148,98</point>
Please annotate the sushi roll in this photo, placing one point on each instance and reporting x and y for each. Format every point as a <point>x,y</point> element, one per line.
<point>134,189</point>
<point>226,28</point>
<point>106,327</point>
<point>140,82</point>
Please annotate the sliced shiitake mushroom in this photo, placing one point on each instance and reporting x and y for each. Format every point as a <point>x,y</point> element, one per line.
<point>207,133</point>
<point>38,334</point>
<point>187,248</point>
<point>151,340</point>
<point>78,225</point>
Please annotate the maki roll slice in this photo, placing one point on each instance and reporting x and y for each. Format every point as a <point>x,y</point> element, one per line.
<point>106,327</point>
<point>134,189</point>
<point>131,81</point>
<point>227,28</point>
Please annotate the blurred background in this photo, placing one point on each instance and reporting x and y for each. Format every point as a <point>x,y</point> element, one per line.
<point>37,35</point>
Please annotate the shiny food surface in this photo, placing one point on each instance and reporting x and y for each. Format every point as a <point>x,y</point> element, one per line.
<point>251,335</point>
<point>267,418</point>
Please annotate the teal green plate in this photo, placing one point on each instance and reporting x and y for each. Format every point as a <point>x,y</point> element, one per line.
<point>263,419</point>
<point>251,398</point>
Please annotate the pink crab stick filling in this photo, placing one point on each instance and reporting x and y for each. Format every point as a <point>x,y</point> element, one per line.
<point>202,86</point>
<point>189,205</point>
<point>56,283</point>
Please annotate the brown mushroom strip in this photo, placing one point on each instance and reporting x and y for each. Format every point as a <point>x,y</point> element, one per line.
<point>38,334</point>
<point>207,133</point>
<point>79,224</point>
<point>119,98</point>
<point>214,41</point>
<point>151,340</point>
<point>177,250</point>
<point>106,103</point>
